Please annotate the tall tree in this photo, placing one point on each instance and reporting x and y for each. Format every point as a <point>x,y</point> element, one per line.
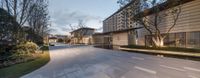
<point>7,25</point>
<point>123,2</point>
<point>80,31</point>
<point>19,9</point>
<point>152,19</point>
<point>39,18</point>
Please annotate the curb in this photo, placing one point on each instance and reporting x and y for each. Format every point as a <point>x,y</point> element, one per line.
<point>162,52</point>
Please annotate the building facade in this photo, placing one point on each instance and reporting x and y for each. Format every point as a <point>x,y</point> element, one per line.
<point>186,32</point>
<point>97,39</point>
<point>82,36</point>
<point>52,39</point>
<point>119,28</point>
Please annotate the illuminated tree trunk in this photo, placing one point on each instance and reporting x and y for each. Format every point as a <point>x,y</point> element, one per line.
<point>158,41</point>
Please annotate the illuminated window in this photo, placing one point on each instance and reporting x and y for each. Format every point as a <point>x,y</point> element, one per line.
<point>180,39</point>
<point>193,39</point>
<point>170,40</point>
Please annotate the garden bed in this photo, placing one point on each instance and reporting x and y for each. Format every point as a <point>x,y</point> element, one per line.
<point>176,49</point>
<point>182,53</point>
<point>17,70</point>
<point>23,52</point>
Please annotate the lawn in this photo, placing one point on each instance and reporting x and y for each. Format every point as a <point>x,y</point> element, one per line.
<point>21,69</point>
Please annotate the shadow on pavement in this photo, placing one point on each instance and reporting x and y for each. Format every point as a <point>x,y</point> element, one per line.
<point>64,47</point>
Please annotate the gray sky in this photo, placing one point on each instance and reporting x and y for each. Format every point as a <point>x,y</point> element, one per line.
<point>93,12</point>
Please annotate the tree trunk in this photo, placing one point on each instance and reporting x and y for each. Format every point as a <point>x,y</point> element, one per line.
<point>158,41</point>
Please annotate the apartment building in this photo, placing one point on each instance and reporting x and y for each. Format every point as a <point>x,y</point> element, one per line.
<point>119,28</point>
<point>186,33</point>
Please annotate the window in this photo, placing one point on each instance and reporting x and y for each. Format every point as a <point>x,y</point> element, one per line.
<point>181,39</point>
<point>166,40</point>
<point>193,39</point>
<point>148,40</point>
<point>170,40</point>
<point>136,34</point>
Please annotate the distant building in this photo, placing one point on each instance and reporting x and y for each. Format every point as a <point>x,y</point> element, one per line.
<point>98,39</point>
<point>62,38</point>
<point>82,36</point>
<point>52,39</point>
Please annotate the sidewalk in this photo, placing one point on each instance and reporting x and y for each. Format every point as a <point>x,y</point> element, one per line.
<point>187,54</point>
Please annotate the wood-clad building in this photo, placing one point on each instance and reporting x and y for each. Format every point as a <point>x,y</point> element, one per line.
<point>186,33</point>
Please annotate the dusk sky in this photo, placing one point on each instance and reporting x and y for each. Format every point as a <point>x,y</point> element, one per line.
<point>93,12</point>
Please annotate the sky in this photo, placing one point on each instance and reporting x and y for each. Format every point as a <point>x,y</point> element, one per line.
<point>66,12</point>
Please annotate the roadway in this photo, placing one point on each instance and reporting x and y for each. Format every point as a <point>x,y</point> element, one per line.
<point>89,62</point>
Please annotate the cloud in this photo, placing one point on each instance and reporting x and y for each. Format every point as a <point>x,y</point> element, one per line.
<point>61,19</point>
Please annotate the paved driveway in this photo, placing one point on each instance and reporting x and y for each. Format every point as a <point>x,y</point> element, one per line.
<point>90,62</point>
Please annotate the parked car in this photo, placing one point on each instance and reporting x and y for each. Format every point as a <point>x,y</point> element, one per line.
<point>51,44</point>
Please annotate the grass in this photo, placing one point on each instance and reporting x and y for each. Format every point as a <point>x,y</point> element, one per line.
<point>177,49</point>
<point>21,69</point>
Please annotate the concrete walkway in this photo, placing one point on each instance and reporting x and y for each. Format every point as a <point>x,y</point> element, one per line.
<point>90,62</point>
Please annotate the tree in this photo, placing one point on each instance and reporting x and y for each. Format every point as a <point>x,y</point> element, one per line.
<point>7,25</point>
<point>19,9</point>
<point>60,40</point>
<point>151,19</point>
<point>80,31</point>
<point>38,19</point>
<point>123,2</point>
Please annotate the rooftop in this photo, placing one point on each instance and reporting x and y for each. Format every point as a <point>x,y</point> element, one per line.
<point>86,28</point>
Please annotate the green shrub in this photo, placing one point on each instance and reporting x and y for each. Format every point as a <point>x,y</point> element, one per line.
<point>27,47</point>
<point>22,52</point>
<point>31,46</point>
<point>60,40</point>
<point>44,48</point>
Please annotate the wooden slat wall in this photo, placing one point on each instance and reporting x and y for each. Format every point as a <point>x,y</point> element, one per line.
<point>120,38</point>
<point>188,21</point>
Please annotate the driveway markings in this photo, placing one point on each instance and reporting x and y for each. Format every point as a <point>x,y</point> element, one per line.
<point>173,68</point>
<point>192,76</point>
<point>145,70</point>
<point>138,58</point>
<point>192,69</point>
